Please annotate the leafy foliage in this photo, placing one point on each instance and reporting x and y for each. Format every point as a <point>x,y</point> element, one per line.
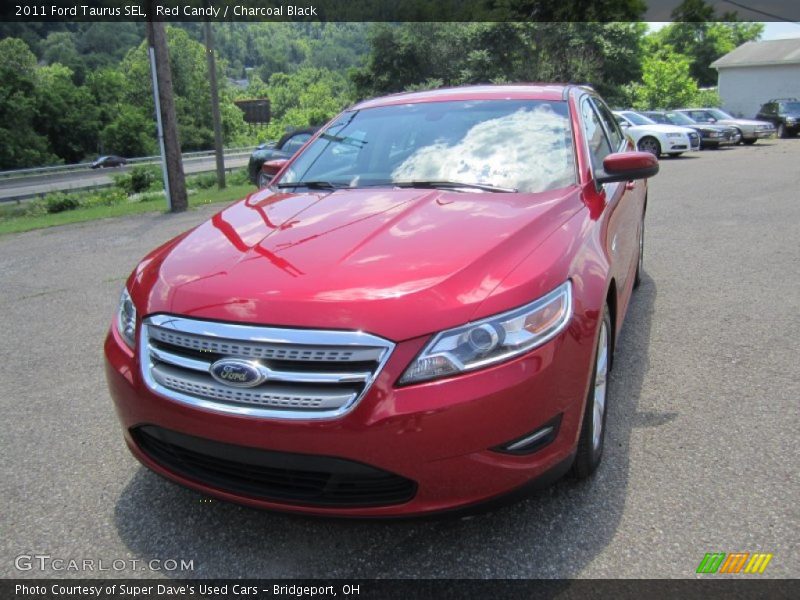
<point>71,91</point>
<point>140,178</point>
<point>409,55</point>
<point>59,202</point>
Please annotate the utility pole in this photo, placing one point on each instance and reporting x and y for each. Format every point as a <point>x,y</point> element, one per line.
<point>212,78</point>
<point>174,183</point>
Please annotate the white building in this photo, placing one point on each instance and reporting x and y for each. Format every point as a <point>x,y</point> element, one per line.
<point>756,72</point>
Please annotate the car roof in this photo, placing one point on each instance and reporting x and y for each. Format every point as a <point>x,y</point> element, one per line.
<point>531,91</point>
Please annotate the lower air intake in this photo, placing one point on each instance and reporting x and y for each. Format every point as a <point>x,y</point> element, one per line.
<point>275,476</point>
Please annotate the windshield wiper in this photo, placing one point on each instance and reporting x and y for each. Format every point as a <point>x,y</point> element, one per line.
<point>314,185</point>
<point>452,185</point>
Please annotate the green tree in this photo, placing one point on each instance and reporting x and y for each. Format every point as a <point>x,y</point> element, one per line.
<point>606,55</point>
<point>59,47</point>
<point>704,37</point>
<point>666,82</point>
<point>190,87</point>
<point>66,114</point>
<point>22,146</point>
<point>131,132</point>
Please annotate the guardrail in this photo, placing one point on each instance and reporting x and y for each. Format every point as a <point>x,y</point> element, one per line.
<point>35,171</point>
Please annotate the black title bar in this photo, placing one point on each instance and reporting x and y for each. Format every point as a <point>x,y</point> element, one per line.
<point>389,10</point>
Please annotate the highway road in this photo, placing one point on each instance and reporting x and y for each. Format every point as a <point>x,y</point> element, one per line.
<point>17,188</point>
<point>701,453</point>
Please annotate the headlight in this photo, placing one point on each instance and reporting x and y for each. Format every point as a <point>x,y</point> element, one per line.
<point>790,120</point>
<point>126,318</point>
<point>674,135</point>
<point>494,339</point>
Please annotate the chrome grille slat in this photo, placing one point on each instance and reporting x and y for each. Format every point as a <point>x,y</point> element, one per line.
<point>275,375</point>
<point>265,350</point>
<point>271,396</point>
<point>173,351</point>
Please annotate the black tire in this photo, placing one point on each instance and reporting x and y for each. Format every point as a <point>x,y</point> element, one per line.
<point>781,131</point>
<point>590,444</point>
<point>751,141</point>
<point>649,144</point>
<point>637,280</point>
<point>741,136</point>
<point>263,180</point>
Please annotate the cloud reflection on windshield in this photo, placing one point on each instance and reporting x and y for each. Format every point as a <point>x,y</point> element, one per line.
<point>529,150</point>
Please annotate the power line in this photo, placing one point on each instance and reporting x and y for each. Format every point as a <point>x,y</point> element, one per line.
<point>761,12</point>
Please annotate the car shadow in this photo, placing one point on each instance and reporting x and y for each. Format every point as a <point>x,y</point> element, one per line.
<point>683,156</point>
<point>555,533</point>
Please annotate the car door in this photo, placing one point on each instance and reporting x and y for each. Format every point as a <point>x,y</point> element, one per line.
<point>624,209</point>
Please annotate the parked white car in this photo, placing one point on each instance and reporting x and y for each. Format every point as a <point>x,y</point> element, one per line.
<point>657,138</point>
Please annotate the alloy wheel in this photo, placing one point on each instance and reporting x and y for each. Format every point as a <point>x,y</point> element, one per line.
<point>650,145</point>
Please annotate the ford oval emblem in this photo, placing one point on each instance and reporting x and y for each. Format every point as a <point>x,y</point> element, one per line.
<point>238,372</point>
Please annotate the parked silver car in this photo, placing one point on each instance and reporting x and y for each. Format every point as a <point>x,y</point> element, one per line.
<point>751,130</point>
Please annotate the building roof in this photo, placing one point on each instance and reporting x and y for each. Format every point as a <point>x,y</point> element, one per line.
<point>752,54</point>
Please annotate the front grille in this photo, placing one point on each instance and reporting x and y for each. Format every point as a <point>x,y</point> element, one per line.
<point>276,476</point>
<point>306,373</point>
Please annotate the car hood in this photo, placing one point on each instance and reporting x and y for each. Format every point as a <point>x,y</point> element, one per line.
<point>663,128</point>
<point>710,127</point>
<point>744,122</point>
<point>397,263</point>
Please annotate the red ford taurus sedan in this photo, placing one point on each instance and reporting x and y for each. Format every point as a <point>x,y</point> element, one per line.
<point>418,315</point>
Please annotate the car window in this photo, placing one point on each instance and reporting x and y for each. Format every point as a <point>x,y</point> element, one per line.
<point>638,119</point>
<point>658,118</point>
<point>599,146</point>
<point>612,127</point>
<point>294,143</point>
<point>718,114</point>
<point>701,116</point>
<point>520,144</point>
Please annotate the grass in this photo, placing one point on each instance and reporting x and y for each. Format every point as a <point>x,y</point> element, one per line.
<point>13,217</point>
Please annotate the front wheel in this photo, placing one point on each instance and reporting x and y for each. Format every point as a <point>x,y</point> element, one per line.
<point>651,145</point>
<point>782,130</point>
<point>593,428</point>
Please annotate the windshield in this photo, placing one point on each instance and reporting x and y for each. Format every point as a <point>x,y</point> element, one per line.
<point>520,145</point>
<point>793,107</point>
<point>638,119</point>
<point>677,118</point>
<point>719,114</point>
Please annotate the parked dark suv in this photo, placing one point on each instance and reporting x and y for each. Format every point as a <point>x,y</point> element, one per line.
<point>784,113</point>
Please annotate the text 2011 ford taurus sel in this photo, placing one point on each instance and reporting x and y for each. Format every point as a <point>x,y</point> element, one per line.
<point>418,315</point>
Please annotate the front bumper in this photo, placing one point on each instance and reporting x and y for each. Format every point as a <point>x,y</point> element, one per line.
<point>438,435</point>
<point>761,134</point>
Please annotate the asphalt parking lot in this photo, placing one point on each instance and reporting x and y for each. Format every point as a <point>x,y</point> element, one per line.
<point>703,422</point>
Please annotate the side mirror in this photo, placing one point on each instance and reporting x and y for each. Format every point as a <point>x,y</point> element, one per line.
<point>626,166</point>
<point>271,167</point>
